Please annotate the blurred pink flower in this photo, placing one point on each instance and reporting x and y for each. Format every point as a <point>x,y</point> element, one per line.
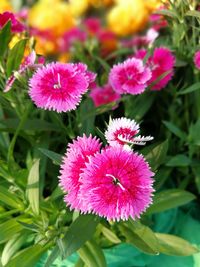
<point>58,86</point>
<point>74,161</point>
<point>117,184</point>
<point>161,62</point>
<point>130,76</point>
<point>103,95</point>
<point>92,25</point>
<point>123,131</point>
<point>197,59</point>
<point>16,26</point>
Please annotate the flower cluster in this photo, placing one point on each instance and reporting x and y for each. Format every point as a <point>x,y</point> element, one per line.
<point>114,182</point>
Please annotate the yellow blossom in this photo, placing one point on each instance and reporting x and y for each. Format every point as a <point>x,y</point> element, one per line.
<point>53,15</point>
<point>128,17</point>
<point>78,7</point>
<point>5,6</point>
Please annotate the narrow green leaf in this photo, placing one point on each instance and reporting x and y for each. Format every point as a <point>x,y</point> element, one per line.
<point>55,157</point>
<point>32,189</point>
<point>190,89</point>
<point>166,12</point>
<point>140,236</point>
<point>194,136</point>
<point>92,255</point>
<point>169,199</point>
<point>87,117</point>
<point>111,236</point>
<point>5,37</point>
<point>179,161</point>
<point>27,257</point>
<point>81,230</point>
<point>12,246</point>
<point>52,257</point>
<point>175,130</point>
<point>10,199</point>
<point>174,245</point>
<point>157,155</point>
<point>15,57</point>
<point>193,13</point>
<point>8,229</point>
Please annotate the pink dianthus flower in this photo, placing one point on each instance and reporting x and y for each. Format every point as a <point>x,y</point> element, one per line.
<point>58,86</point>
<point>124,131</point>
<point>16,26</point>
<point>161,62</point>
<point>197,59</point>
<point>117,184</point>
<point>74,161</point>
<point>130,76</point>
<point>104,95</point>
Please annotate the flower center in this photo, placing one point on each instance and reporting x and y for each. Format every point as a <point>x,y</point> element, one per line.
<point>58,84</point>
<point>116,181</point>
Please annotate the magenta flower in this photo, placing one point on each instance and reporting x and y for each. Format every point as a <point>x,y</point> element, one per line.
<point>124,131</point>
<point>130,76</point>
<point>162,63</point>
<point>74,161</point>
<point>59,86</point>
<point>117,184</point>
<point>104,95</point>
<point>16,26</point>
<point>197,59</point>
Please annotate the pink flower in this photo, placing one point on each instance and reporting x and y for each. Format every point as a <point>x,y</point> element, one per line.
<point>92,25</point>
<point>130,76</point>
<point>162,63</point>
<point>141,53</point>
<point>16,26</point>
<point>74,161</point>
<point>116,184</point>
<point>124,131</point>
<point>104,95</point>
<point>59,86</point>
<point>197,59</point>
<point>29,63</point>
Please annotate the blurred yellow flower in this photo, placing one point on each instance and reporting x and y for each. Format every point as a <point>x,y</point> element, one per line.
<point>78,7</point>
<point>152,5</point>
<point>52,15</point>
<point>128,17</point>
<point>5,6</point>
<point>99,3</point>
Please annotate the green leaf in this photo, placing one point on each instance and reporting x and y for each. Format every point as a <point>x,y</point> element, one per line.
<point>174,245</point>
<point>193,13</point>
<point>196,171</point>
<point>15,57</point>
<point>52,257</point>
<point>140,236</point>
<point>137,106</point>
<point>110,235</point>
<point>175,130</point>
<point>194,136</point>
<point>87,117</point>
<point>81,230</point>
<point>10,199</point>
<point>12,246</point>
<point>190,89</point>
<point>157,155</point>
<point>166,12</point>
<point>8,229</point>
<point>55,157</point>
<point>169,199</point>
<point>92,255</point>
<point>179,161</point>
<point>32,189</point>
<point>5,37</point>
<point>28,256</point>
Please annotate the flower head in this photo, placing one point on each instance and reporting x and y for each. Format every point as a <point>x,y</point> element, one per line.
<point>16,26</point>
<point>124,131</point>
<point>197,59</point>
<point>162,62</point>
<point>59,86</point>
<point>130,76</point>
<point>104,95</point>
<point>74,161</point>
<point>116,184</point>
